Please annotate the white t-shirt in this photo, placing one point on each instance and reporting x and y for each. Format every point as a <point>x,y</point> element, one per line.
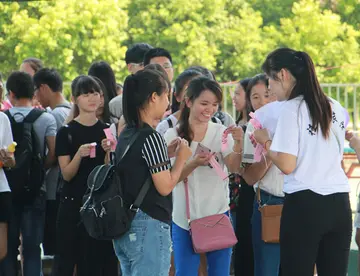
<point>318,166</point>
<point>163,126</point>
<point>208,193</point>
<point>272,182</point>
<point>5,140</point>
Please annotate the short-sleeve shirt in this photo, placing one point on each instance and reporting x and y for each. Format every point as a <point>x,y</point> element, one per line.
<point>208,193</point>
<point>148,155</point>
<point>44,126</point>
<point>318,166</point>
<point>115,107</point>
<point>68,141</point>
<point>60,114</point>
<point>164,125</point>
<point>5,140</point>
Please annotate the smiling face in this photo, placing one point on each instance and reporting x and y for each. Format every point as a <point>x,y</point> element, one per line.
<point>239,98</point>
<point>204,106</point>
<point>259,96</point>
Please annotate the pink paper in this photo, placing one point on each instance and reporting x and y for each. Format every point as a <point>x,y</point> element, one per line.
<point>259,149</point>
<point>224,144</point>
<point>216,166</point>
<point>93,150</point>
<point>110,136</point>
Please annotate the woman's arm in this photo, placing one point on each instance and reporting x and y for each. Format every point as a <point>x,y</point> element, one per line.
<point>284,161</point>
<point>253,173</point>
<point>166,180</point>
<point>69,168</point>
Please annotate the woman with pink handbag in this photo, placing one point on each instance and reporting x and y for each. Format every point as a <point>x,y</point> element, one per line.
<point>201,221</point>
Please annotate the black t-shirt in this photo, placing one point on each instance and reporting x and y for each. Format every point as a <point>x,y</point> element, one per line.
<point>148,155</point>
<point>68,140</point>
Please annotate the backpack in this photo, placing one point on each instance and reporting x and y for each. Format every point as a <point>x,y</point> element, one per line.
<point>104,213</point>
<point>27,177</point>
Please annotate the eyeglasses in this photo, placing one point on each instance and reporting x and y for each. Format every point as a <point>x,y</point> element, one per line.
<point>167,66</point>
<point>137,64</point>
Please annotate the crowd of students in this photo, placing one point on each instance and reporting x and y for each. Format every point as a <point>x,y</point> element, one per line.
<point>301,169</point>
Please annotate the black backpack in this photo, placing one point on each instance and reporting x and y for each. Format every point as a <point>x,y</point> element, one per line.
<point>105,214</point>
<point>27,177</point>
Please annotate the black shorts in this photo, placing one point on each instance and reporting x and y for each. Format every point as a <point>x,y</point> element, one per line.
<point>5,206</point>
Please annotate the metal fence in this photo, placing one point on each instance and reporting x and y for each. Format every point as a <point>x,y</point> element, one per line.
<point>346,94</point>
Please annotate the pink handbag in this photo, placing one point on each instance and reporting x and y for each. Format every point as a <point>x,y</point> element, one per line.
<point>209,233</point>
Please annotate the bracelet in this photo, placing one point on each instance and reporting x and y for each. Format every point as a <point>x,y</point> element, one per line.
<point>238,152</point>
<point>267,142</point>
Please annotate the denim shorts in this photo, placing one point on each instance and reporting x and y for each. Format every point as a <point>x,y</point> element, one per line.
<point>146,248</point>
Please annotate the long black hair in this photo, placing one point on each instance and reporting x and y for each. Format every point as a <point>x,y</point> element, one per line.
<point>104,72</point>
<point>302,68</point>
<point>196,87</point>
<point>138,88</point>
<point>244,84</point>
<point>179,86</point>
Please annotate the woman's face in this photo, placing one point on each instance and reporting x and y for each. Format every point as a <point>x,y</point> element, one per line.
<point>281,85</point>
<point>239,98</point>
<point>100,110</point>
<point>25,67</point>
<point>161,104</point>
<point>204,106</point>
<point>259,96</point>
<point>89,102</point>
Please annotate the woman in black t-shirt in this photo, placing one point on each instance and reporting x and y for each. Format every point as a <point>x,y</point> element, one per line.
<point>78,155</point>
<point>145,248</point>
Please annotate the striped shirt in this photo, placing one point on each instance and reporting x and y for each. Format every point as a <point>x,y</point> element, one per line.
<point>155,153</point>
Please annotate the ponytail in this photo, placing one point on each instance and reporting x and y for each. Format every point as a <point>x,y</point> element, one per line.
<point>185,130</point>
<point>300,65</point>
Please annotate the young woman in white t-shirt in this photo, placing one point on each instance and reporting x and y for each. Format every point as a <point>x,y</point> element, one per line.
<point>208,193</point>
<point>267,181</point>
<point>6,160</point>
<point>308,148</point>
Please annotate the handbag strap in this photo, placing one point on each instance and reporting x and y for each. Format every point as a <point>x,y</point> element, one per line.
<point>186,185</point>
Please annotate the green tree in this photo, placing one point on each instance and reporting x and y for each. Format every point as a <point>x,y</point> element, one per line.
<point>68,35</point>
<point>331,43</point>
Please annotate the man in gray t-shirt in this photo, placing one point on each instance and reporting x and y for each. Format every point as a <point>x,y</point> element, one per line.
<point>49,85</point>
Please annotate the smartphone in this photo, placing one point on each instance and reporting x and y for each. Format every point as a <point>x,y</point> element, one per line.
<point>201,149</point>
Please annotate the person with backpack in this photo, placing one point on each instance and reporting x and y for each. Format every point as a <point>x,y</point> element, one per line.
<point>48,89</point>
<point>7,160</point>
<point>34,132</point>
<point>145,248</point>
<point>79,151</point>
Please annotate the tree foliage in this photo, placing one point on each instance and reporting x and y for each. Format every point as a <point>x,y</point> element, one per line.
<point>231,37</point>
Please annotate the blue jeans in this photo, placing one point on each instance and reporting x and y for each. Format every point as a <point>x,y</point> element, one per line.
<point>266,255</point>
<point>187,261</point>
<point>29,221</point>
<point>146,248</point>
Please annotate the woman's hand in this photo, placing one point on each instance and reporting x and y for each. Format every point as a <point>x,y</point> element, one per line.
<point>7,158</point>
<point>237,134</point>
<point>173,146</point>
<point>84,150</point>
<point>202,159</point>
<point>260,136</point>
<point>106,144</point>
<point>184,152</point>
<point>354,142</point>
